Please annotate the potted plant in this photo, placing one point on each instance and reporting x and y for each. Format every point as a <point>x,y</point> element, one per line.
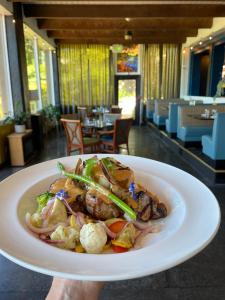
<point>51,116</point>
<point>20,118</point>
<point>20,121</point>
<point>6,127</point>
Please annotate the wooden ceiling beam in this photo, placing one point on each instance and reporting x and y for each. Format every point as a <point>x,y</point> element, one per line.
<point>70,34</point>
<point>106,2</point>
<point>122,24</point>
<point>111,40</point>
<point>123,11</point>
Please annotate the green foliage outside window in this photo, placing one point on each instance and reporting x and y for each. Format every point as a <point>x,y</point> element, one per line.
<point>43,75</point>
<point>31,73</point>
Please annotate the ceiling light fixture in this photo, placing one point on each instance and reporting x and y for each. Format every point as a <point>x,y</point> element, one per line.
<point>116,48</point>
<point>192,48</point>
<point>210,38</point>
<point>127,19</point>
<point>14,21</point>
<point>128,35</point>
<point>200,43</point>
<point>184,51</point>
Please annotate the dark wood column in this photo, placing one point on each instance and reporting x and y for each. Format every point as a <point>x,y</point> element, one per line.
<point>20,44</point>
<point>56,77</point>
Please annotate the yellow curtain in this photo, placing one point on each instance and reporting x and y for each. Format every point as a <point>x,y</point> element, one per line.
<point>150,71</point>
<point>170,71</point>
<point>85,75</point>
<point>160,71</point>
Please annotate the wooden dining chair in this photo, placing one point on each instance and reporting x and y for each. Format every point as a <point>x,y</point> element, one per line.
<point>115,109</point>
<point>70,116</point>
<point>82,113</point>
<point>75,140</point>
<point>113,140</point>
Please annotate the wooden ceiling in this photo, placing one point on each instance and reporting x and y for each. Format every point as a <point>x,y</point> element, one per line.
<point>105,22</point>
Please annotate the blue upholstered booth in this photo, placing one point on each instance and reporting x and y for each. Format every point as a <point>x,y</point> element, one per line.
<point>192,133</point>
<point>159,120</point>
<point>150,115</point>
<point>214,145</point>
<point>171,122</point>
<point>150,107</point>
<point>189,128</point>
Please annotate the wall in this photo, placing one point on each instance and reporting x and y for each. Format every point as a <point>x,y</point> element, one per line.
<point>217,27</point>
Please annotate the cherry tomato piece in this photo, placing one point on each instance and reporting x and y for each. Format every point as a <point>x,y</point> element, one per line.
<point>119,249</point>
<point>117,226</point>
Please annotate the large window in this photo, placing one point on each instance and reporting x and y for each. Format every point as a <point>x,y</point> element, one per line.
<point>5,88</point>
<point>206,71</point>
<point>39,70</point>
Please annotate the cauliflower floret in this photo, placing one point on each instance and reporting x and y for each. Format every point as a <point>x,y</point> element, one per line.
<point>69,235</point>
<point>36,220</point>
<point>93,237</point>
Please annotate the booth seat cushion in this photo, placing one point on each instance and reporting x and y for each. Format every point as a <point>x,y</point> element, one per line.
<point>207,146</point>
<point>150,115</point>
<point>214,145</point>
<point>159,120</point>
<point>168,129</point>
<point>192,133</point>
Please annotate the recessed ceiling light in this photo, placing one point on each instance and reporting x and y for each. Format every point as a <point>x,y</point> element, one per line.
<point>192,48</point>
<point>128,35</point>
<point>14,21</point>
<point>210,38</point>
<point>200,43</point>
<point>127,19</point>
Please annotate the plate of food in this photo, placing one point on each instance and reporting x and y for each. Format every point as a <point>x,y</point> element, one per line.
<point>104,217</point>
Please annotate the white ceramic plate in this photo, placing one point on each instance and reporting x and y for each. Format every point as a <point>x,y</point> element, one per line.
<point>193,221</point>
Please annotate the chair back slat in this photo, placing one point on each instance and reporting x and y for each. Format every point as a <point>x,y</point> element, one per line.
<point>122,129</point>
<point>73,133</point>
<point>70,117</point>
<point>82,113</point>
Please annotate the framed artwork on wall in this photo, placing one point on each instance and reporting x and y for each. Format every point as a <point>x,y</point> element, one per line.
<point>128,61</point>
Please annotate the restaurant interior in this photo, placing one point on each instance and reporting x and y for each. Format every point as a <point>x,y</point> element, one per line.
<point>141,78</point>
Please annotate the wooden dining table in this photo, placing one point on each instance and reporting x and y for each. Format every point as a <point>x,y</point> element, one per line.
<point>202,118</point>
<point>93,126</point>
<point>97,124</point>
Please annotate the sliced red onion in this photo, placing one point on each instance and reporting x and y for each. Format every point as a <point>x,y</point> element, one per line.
<point>142,225</point>
<point>127,217</point>
<point>52,200</point>
<point>111,234</point>
<point>80,219</point>
<point>43,236</point>
<point>38,230</point>
<point>78,215</point>
<point>143,233</point>
<point>69,208</point>
<point>49,241</point>
<point>47,209</point>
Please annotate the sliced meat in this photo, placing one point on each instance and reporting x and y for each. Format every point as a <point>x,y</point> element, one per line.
<point>99,208</point>
<point>160,211</point>
<point>78,205</point>
<point>144,210</point>
<point>149,208</point>
<point>73,189</point>
<point>57,185</point>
